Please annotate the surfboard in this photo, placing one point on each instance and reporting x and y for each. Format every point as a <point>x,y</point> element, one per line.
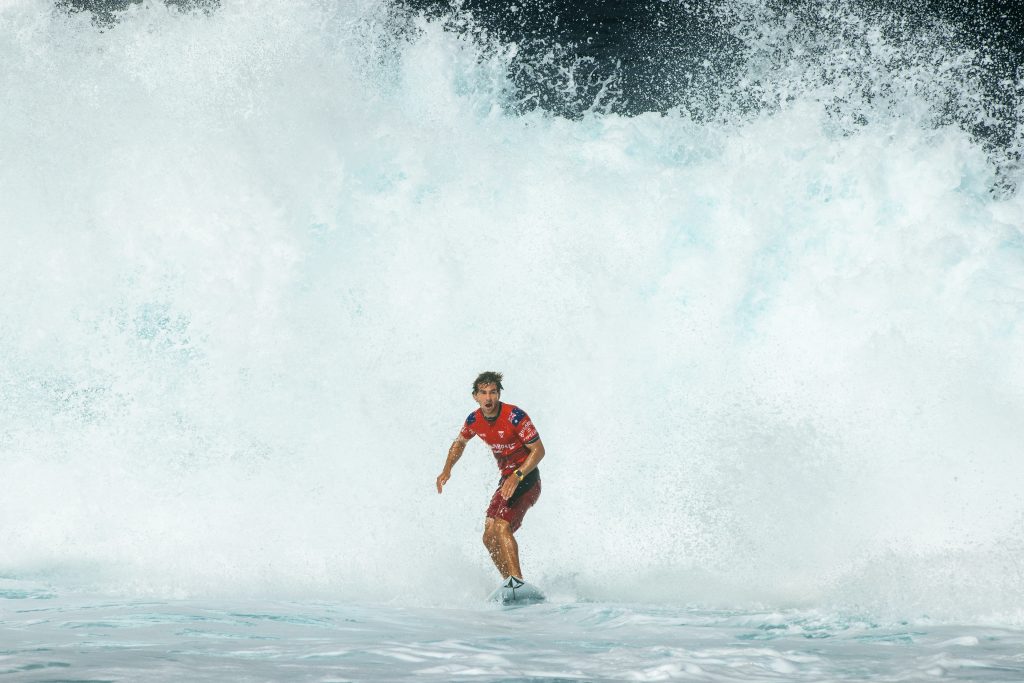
<point>514,591</point>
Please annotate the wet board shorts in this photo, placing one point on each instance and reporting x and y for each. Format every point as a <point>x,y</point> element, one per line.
<point>514,509</point>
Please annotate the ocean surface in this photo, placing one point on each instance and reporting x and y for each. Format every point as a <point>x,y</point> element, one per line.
<point>754,268</point>
<point>54,638</point>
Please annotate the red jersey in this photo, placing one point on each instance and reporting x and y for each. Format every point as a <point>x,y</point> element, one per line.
<point>507,435</point>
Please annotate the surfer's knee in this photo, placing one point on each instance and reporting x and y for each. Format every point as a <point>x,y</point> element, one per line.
<point>500,528</point>
<point>495,530</point>
<point>489,537</point>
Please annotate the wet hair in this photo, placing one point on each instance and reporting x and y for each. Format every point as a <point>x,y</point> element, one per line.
<point>487,378</point>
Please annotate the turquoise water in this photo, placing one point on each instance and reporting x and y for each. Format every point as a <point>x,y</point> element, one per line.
<point>75,638</point>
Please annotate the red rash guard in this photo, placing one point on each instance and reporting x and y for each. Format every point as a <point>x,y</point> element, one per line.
<point>507,435</point>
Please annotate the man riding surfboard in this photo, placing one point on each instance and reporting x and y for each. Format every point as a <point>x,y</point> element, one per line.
<point>517,448</point>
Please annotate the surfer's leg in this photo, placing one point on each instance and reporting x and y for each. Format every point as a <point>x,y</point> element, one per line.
<point>501,543</point>
<point>504,517</point>
<point>509,548</point>
<point>491,543</point>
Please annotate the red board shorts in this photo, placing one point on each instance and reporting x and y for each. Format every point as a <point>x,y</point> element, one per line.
<point>514,509</point>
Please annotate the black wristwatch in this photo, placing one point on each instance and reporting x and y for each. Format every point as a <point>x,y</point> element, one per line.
<point>519,473</point>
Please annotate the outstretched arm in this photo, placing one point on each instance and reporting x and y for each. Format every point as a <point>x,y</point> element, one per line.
<point>454,453</point>
<point>508,487</point>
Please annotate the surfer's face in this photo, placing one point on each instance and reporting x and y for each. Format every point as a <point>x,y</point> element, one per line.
<point>487,395</point>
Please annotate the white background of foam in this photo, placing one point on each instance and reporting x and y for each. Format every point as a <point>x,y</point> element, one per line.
<point>253,260</point>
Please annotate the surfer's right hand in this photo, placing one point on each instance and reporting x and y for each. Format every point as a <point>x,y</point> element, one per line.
<point>442,479</point>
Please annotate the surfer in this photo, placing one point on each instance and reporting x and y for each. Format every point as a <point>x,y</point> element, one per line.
<point>517,447</point>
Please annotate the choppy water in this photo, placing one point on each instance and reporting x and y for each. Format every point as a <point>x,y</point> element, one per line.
<point>59,638</point>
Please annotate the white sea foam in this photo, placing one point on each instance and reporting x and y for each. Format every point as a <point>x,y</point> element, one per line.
<point>254,257</point>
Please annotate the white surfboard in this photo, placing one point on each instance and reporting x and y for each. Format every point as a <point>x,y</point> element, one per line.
<point>514,591</point>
